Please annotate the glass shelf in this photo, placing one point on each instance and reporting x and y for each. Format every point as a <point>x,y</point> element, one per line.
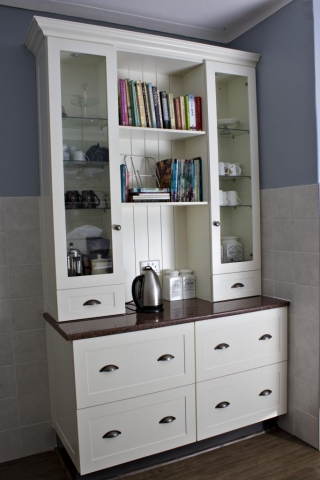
<point>87,122</point>
<point>71,164</point>
<point>233,177</point>
<point>234,206</point>
<point>229,133</point>
<point>85,209</point>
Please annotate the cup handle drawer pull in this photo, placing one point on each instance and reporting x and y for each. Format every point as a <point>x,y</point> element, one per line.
<point>265,393</point>
<point>222,346</point>
<point>165,358</point>
<point>112,434</point>
<point>109,368</point>
<point>92,302</point>
<point>265,337</point>
<point>168,420</point>
<point>237,285</point>
<point>223,405</point>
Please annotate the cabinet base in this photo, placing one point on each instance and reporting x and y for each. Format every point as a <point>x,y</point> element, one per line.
<point>160,458</point>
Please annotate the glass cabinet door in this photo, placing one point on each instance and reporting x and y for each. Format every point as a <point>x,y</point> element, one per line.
<point>85,151</point>
<point>235,183</point>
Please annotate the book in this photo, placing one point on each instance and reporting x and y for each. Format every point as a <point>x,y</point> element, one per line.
<point>140,102</point>
<point>151,106</point>
<point>123,182</point>
<point>174,180</point>
<point>135,113</point>
<point>182,113</point>
<point>186,109</point>
<point>198,179</point>
<point>156,106</point>
<point>192,112</point>
<point>172,119</point>
<point>151,195</point>
<point>146,104</point>
<point>198,113</point>
<point>165,110</point>
<point>177,113</point>
<point>189,181</point>
<point>148,190</point>
<point>160,109</point>
<point>128,97</point>
<point>164,170</point>
<point>142,200</point>
<point>182,175</point>
<point>123,103</point>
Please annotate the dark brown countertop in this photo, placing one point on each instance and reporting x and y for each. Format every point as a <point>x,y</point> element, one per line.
<point>175,313</point>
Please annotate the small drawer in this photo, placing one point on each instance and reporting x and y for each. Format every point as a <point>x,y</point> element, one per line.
<point>123,431</point>
<point>116,367</point>
<point>232,402</point>
<point>90,302</point>
<point>236,285</point>
<point>233,344</point>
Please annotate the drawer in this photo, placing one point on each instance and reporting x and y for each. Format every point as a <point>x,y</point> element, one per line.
<point>232,402</point>
<point>122,366</point>
<point>233,344</point>
<point>90,302</point>
<point>236,285</point>
<point>137,428</point>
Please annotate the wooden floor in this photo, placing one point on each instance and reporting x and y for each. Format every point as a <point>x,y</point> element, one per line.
<point>273,455</point>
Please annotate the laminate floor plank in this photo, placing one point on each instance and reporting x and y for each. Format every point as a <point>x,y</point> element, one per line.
<point>43,466</point>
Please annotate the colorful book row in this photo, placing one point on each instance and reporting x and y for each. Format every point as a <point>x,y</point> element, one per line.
<point>183,177</point>
<point>141,104</point>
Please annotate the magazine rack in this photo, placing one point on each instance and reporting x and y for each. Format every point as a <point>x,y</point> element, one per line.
<point>135,165</point>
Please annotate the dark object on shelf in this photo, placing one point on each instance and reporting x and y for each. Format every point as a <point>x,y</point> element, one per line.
<point>98,154</point>
<point>88,199</point>
<point>72,199</point>
<point>98,245</point>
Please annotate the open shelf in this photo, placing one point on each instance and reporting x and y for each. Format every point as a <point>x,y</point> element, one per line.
<point>157,133</point>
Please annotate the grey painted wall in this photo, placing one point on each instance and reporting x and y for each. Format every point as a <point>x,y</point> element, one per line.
<point>286,95</point>
<point>18,122</point>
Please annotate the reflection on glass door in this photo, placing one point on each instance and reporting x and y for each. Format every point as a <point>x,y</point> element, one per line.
<point>235,190</point>
<point>86,164</point>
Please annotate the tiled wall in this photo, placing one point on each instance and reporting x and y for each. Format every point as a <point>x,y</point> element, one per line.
<point>25,416</point>
<point>290,270</point>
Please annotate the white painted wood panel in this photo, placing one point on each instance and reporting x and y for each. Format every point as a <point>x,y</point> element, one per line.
<point>243,343</point>
<point>136,356</point>
<point>140,432</point>
<point>236,285</point>
<point>240,393</point>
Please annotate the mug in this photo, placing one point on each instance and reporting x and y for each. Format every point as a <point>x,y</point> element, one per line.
<point>88,199</point>
<point>72,150</point>
<point>80,156</point>
<point>224,169</point>
<point>72,199</point>
<point>235,169</point>
<point>233,198</point>
<point>223,198</point>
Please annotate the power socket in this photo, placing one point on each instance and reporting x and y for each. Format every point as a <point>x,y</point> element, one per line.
<point>154,264</point>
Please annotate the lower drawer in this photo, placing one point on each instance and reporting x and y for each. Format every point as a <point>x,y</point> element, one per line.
<point>236,285</point>
<point>123,431</point>
<point>90,302</point>
<point>234,401</point>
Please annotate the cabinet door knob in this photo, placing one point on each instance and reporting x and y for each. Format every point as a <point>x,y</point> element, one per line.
<point>237,285</point>
<point>109,368</point>
<point>117,227</point>
<point>265,337</point>
<point>168,420</point>
<point>222,346</point>
<point>112,434</point>
<point>223,405</point>
<point>265,393</point>
<point>165,358</point>
<point>91,302</point>
<point>216,224</point>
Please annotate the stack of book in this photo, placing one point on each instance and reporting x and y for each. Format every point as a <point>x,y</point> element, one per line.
<point>183,177</point>
<point>141,104</point>
<point>137,195</point>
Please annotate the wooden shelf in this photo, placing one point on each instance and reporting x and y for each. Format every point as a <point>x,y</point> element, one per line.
<point>157,133</point>
<point>163,204</point>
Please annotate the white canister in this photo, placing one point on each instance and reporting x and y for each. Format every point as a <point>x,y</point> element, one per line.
<point>188,283</point>
<point>172,286</point>
<point>232,249</point>
<point>100,265</point>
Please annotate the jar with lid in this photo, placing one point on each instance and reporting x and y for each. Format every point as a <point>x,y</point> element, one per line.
<point>232,249</point>
<point>172,286</point>
<point>188,283</point>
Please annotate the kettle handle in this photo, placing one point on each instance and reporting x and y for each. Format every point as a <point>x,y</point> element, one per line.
<point>136,294</point>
